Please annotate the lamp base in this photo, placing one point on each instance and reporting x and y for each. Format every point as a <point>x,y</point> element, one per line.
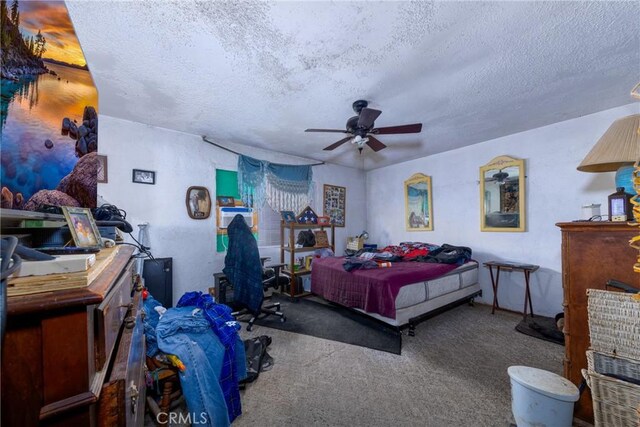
<point>624,179</point>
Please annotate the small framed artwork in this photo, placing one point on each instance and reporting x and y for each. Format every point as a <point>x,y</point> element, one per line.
<point>288,217</point>
<point>144,177</point>
<point>198,203</point>
<point>324,220</point>
<point>322,241</point>
<point>82,227</point>
<point>418,207</point>
<point>334,204</point>
<point>225,201</point>
<point>308,260</point>
<point>102,169</point>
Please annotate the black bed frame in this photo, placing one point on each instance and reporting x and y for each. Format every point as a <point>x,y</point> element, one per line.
<point>414,321</point>
<point>411,324</point>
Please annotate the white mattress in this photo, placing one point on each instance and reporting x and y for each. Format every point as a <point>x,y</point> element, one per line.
<point>419,298</point>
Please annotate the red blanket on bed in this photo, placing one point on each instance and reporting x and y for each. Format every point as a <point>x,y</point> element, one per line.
<point>374,290</point>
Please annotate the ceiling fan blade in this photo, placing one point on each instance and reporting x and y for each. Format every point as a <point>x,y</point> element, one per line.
<point>414,128</point>
<point>325,130</point>
<point>375,144</point>
<point>367,117</point>
<point>337,144</point>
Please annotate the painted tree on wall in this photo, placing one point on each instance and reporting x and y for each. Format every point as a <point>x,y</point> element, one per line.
<point>15,50</point>
<point>48,117</point>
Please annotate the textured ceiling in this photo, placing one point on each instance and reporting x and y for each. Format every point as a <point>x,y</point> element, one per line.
<point>260,73</point>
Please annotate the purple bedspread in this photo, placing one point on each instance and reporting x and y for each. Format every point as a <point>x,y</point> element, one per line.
<point>374,290</point>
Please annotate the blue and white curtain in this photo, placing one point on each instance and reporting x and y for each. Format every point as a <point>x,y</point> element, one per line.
<point>283,187</point>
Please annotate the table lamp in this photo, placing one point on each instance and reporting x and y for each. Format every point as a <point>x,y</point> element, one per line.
<point>617,150</point>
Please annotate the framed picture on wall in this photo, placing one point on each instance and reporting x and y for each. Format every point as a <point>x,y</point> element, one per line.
<point>144,177</point>
<point>334,204</point>
<point>198,202</point>
<point>418,208</point>
<point>102,169</point>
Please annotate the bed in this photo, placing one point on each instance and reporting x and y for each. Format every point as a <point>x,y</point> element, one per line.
<point>400,295</point>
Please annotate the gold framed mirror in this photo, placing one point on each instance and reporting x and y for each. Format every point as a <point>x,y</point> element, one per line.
<point>417,198</point>
<point>502,195</point>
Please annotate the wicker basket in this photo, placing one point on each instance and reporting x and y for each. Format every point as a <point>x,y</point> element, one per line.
<point>606,364</point>
<point>615,402</point>
<point>614,323</point>
<point>608,395</point>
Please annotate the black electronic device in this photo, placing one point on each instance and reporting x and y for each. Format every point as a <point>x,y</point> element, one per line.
<point>158,279</point>
<point>112,215</point>
<point>107,231</point>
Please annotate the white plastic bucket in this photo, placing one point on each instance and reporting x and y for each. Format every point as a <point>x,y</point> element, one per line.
<point>541,398</point>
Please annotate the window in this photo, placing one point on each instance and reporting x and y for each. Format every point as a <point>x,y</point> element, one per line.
<point>268,219</point>
<point>269,223</point>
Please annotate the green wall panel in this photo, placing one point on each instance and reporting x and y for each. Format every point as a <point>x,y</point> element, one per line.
<point>227,183</point>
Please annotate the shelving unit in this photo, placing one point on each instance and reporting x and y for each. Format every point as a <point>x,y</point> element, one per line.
<point>288,236</point>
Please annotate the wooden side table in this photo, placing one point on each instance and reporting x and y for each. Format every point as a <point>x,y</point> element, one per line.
<point>527,269</point>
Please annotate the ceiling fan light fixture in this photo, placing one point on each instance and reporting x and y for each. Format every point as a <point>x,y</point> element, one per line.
<point>361,129</point>
<point>500,177</point>
<point>359,140</point>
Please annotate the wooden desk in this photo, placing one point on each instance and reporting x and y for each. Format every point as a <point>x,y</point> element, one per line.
<point>527,269</point>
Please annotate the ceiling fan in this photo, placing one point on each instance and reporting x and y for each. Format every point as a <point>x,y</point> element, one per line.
<point>361,129</point>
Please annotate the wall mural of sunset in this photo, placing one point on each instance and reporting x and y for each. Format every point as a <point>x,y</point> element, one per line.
<point>49,120</point>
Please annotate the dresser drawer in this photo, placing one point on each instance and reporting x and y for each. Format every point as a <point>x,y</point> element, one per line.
<point>110,314</point>
<point>122,400</point>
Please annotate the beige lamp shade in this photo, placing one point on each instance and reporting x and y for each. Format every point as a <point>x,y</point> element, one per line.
<point>619,146</point>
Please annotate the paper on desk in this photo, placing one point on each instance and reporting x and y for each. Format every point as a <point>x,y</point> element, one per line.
<point>62,264</point>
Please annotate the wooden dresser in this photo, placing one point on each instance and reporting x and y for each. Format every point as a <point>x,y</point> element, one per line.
<point>592,254</point>
<point>76,357</point>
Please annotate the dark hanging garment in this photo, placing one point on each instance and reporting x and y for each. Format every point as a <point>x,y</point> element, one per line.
<point>242,265</point>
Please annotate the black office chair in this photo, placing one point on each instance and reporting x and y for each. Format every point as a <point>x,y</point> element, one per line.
<point>248,276</point>
<point>270,279</point>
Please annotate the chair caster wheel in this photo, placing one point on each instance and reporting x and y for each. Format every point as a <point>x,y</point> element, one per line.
<point>249,328</point>
<point>412,333</point>
<point>283,319</point>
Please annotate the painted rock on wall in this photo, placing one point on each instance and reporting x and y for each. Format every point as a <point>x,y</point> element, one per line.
<point>82,182</point>
<point>50,197</point>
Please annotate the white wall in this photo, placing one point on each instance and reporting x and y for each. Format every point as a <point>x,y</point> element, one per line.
<point>555,193</point>
<point>183,160</point>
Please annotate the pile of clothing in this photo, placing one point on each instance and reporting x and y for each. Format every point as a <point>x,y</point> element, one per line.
<point>204,337</point>
<point>408,251</point>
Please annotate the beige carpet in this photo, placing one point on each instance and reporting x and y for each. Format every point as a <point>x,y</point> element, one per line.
<point>452,373</point>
